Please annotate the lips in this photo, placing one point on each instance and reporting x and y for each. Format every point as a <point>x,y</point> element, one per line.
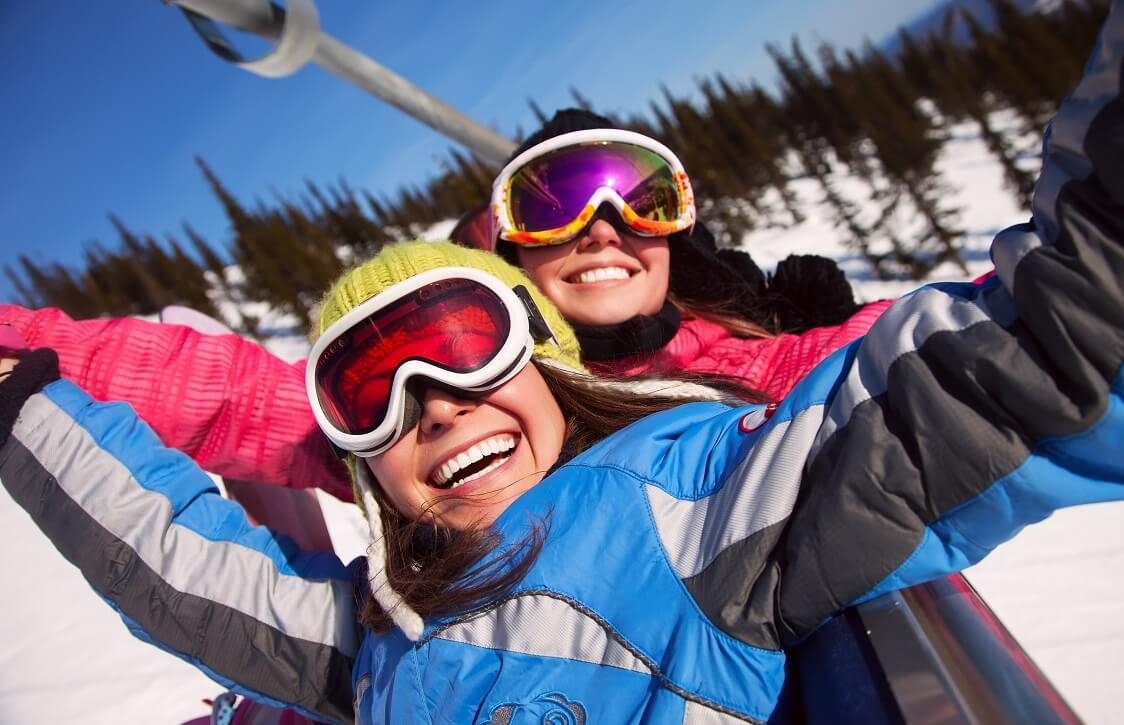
<point>474,462</point>
<point>599,274</point>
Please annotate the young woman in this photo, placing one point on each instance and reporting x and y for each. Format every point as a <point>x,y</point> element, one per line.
<point>603,220</point>
<point>513,497</point>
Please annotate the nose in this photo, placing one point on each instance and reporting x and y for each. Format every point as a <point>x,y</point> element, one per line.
<point>441,409</point>
<point>600,232</point>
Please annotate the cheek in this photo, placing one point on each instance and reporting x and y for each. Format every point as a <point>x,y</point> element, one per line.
<point>528,399</point>
<point>552,431</point>
<point>394,475</point>
<point>541,265</point>
<point>656,259</point>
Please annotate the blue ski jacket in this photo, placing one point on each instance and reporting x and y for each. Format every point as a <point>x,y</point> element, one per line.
<point>685,552</point>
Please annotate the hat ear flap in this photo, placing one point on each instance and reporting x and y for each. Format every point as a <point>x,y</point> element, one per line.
<point>409,621</point>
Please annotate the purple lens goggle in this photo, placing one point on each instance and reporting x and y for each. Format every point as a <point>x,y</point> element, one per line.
<point>551,191</point>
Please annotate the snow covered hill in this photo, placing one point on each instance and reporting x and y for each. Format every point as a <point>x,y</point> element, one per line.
<point>67,658</point>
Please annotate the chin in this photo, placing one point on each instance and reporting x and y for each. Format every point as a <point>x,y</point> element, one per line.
<point>601,310</point>
<point>604,320</point>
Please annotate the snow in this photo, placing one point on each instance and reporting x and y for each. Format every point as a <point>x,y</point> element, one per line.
<point>68,658</point>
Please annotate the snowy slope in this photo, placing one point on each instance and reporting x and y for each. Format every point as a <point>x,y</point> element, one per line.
<point>67,658</point>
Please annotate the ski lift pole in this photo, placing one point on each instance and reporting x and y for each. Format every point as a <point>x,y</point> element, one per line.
<point>295,30</point>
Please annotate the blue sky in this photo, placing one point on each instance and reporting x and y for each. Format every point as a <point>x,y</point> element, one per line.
<point>103,105</point>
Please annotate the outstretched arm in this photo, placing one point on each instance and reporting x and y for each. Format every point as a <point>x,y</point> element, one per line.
<point>230,404</point>
<point>967,412</point>
<point>984,409</point>
<point>183,566</point>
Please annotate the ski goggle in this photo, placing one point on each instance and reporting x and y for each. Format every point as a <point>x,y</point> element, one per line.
<point>550,192</point>
<point>457,327</point>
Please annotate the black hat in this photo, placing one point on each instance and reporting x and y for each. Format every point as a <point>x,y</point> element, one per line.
<point>567,120</point>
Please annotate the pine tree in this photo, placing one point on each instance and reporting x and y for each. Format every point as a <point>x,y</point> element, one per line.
<point>1015,83</point>
<point>25,295</point>
<point>958,98</point>
<point>149,294</point>
<point>763,145</point>
<point>236,214</point>
<point>70,296</point>
<point>540,117</point>
<point>1033,45</point>
<point>39,282</point>
<point>192,287</point>
<point>208,256</point>
<point>581,101</point>
<point>907,153</point>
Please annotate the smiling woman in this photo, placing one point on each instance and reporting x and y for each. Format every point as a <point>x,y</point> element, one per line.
<point>603,220</point>
<point>605,278</point>
<point>467,458</point>
<point>386,377</point>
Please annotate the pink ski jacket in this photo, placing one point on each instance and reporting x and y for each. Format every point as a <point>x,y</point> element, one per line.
<point>234,407</point>
<point>242,412</point>
<point>770,365</point>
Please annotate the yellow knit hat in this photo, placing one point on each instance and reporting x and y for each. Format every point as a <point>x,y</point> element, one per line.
<point>398,262</point>
<point>393,264</point>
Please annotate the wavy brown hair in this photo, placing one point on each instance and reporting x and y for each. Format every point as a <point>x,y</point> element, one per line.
<point>722,313</point>
<point>439,570</point>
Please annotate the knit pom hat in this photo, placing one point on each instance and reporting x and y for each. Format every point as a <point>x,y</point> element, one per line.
<point>396,263</point>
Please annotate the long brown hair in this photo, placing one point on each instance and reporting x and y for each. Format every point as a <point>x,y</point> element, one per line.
<point>439,570</point>
<point>721,313</point>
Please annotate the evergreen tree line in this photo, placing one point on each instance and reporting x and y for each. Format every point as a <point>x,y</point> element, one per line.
<point>838,114</point>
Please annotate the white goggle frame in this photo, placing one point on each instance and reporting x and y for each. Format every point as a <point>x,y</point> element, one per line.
<point>503,366</point>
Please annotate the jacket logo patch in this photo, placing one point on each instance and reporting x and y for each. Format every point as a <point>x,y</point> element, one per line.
<point>549,709</point>
<point>757,417</point>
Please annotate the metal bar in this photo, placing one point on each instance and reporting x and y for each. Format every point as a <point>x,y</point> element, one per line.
<point>949,659</point>
<point>405,96</point>
<point>267,20</point>
<point>250,16</point>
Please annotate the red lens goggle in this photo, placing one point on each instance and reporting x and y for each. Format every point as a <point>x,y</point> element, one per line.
<point>458,327</point>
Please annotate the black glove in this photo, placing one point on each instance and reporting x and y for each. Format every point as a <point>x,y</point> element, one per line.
<point>703,274</point>
<point>808,291</point>
<point>35,369</point>
<point>804,292</point>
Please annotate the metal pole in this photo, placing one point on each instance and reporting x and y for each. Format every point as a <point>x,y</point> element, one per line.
<point>299,39</point>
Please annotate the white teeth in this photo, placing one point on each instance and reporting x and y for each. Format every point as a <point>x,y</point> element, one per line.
<point>493,465</point>
<point>488,447</point>
<point>601,274</point>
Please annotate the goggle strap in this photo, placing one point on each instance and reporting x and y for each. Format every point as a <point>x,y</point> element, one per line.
<point>540,329</point>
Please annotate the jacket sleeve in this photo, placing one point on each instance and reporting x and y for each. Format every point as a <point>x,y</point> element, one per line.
<point>230,404</point>
<point>967,412</point>
<point>181,564</point>
<point>794,356</point>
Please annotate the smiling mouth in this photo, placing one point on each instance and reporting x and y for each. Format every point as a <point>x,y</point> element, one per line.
<point>479,460</point>
<point>600,274</point>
